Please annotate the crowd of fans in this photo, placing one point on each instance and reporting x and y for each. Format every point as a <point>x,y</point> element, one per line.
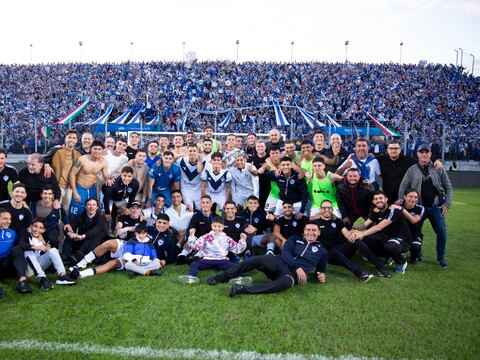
<point>424,97</point>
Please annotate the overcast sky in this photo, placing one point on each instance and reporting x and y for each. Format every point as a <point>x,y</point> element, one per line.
<point>429,29</point>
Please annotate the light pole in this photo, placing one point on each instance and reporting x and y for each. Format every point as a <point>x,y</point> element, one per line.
<point>401,46</point>
<point>131,50</point>
<point>31,53</point>
<point>461,57</point>
<point>238,43</point>
<point>346,51</point>
<point>291,53</point>
<point>80,44</point>
<point>473,63</point>
<point>183,50</point>
<point>456,58</point>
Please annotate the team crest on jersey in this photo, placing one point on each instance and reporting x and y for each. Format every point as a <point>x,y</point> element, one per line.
<point>292,181</point>
<point>294,223</point>
<point>129,190</point>
<point>334,225</point>
<point>170,176</point>
<point>237,225</point>
<point>256,220</point>
<point>160,242</point>
<point>21,216</point>
<point>314,249</point>
<point>8,235</point>
<point>5,178</point>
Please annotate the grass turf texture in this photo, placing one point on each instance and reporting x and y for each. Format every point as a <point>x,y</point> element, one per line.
<point>427,313</point>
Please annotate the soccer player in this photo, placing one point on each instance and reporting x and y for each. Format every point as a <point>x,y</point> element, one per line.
<point>321,187</point>
<point>272,163</point>
<point>83,177</point>
<point>292,188</point>
<point>287,225</point>
<point>414,214</point>
<point>244,180</point>
<point>386,231</point>
<point>341,245</point>
<point>152,153</point>
<point>216,181</point>
<point>162,177</point>
<point>21,216</point>
<point>190,176</point>
<point>150,214</point>
<point>300,255</point>
<point>131,149</point>
<point>116,159</point>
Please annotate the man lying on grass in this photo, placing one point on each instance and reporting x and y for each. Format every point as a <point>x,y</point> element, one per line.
<point>300,255</point>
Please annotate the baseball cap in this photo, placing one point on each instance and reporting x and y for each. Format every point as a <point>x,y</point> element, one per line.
<point>424,147</point>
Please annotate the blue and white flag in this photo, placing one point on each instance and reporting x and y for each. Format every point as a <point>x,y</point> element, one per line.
<point>102,119</point>
<point>333,122</point>
<point>309,118</point>
<point>122,118</point>
<point>280,119</point>
<point>136,118</point>
<point>156,119</point>
<point>226,121</point>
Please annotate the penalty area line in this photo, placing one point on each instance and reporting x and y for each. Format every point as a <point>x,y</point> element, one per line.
<point>149,352</point>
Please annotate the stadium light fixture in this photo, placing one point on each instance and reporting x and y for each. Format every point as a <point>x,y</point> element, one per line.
<point>80,44</point>
<point>183,50</point>
<point>473,63</point>
<point>456,59</point>
<point>131,50</point>
<point>237,42</point>
<point>31,53</point>
<point>291,53</point>
<point>401,46</point>
<point>461,57</point>
<point>346,50</point>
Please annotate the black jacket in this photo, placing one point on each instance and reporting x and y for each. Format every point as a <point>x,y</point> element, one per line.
<point>258,219</point>
<point>36,182</point>
<point>291,188</point>
<point>119,191</point>
<point>201,223</point>
<point>392,174</point>
<point>90,228</point>
<point>344,199</point>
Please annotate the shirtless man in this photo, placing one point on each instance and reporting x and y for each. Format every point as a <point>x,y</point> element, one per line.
<point>178,149</point>
<point>83,177</point>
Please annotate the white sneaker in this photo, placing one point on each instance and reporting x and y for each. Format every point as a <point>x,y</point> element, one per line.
<point>243,281</point>
<point>188,279</point>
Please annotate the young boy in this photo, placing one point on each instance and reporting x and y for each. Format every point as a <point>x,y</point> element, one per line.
<point>140,255</point>
<point>40,255</point>
<point>215,246</point>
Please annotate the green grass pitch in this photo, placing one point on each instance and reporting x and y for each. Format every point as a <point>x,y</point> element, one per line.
<point>427,313</point>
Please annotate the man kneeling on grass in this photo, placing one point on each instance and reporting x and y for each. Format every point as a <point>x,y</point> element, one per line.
<point>299,256</point>
<point>214,246</point>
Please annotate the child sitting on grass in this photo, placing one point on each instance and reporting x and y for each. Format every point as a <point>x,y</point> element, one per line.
<point>140,255</point>
<point>215,246</point>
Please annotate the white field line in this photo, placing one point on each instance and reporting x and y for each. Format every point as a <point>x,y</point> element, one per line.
<point>149,352</point>
<point>458,203</point>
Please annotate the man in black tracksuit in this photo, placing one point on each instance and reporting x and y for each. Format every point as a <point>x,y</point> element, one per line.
<point>164,241</point>
<point>299,256</point>
<point>292,188</point>
<point>121,194</point>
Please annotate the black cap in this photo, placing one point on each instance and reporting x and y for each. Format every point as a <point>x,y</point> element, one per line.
<point>135,203</point>
<point>141,227</point>
<point>424,147</point>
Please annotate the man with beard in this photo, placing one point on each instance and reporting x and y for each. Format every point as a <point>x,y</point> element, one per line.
<point>386,231</point>
<point>353,197</point>
<point>366,164</point>
<point>341,245</point>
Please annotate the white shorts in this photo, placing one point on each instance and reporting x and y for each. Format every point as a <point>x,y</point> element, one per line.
<point>219,199</point>
<point>270,204</point>
<point>279,208</point>
<point>119,252</point>
<point>191,197</point>
<point>316,211</point>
